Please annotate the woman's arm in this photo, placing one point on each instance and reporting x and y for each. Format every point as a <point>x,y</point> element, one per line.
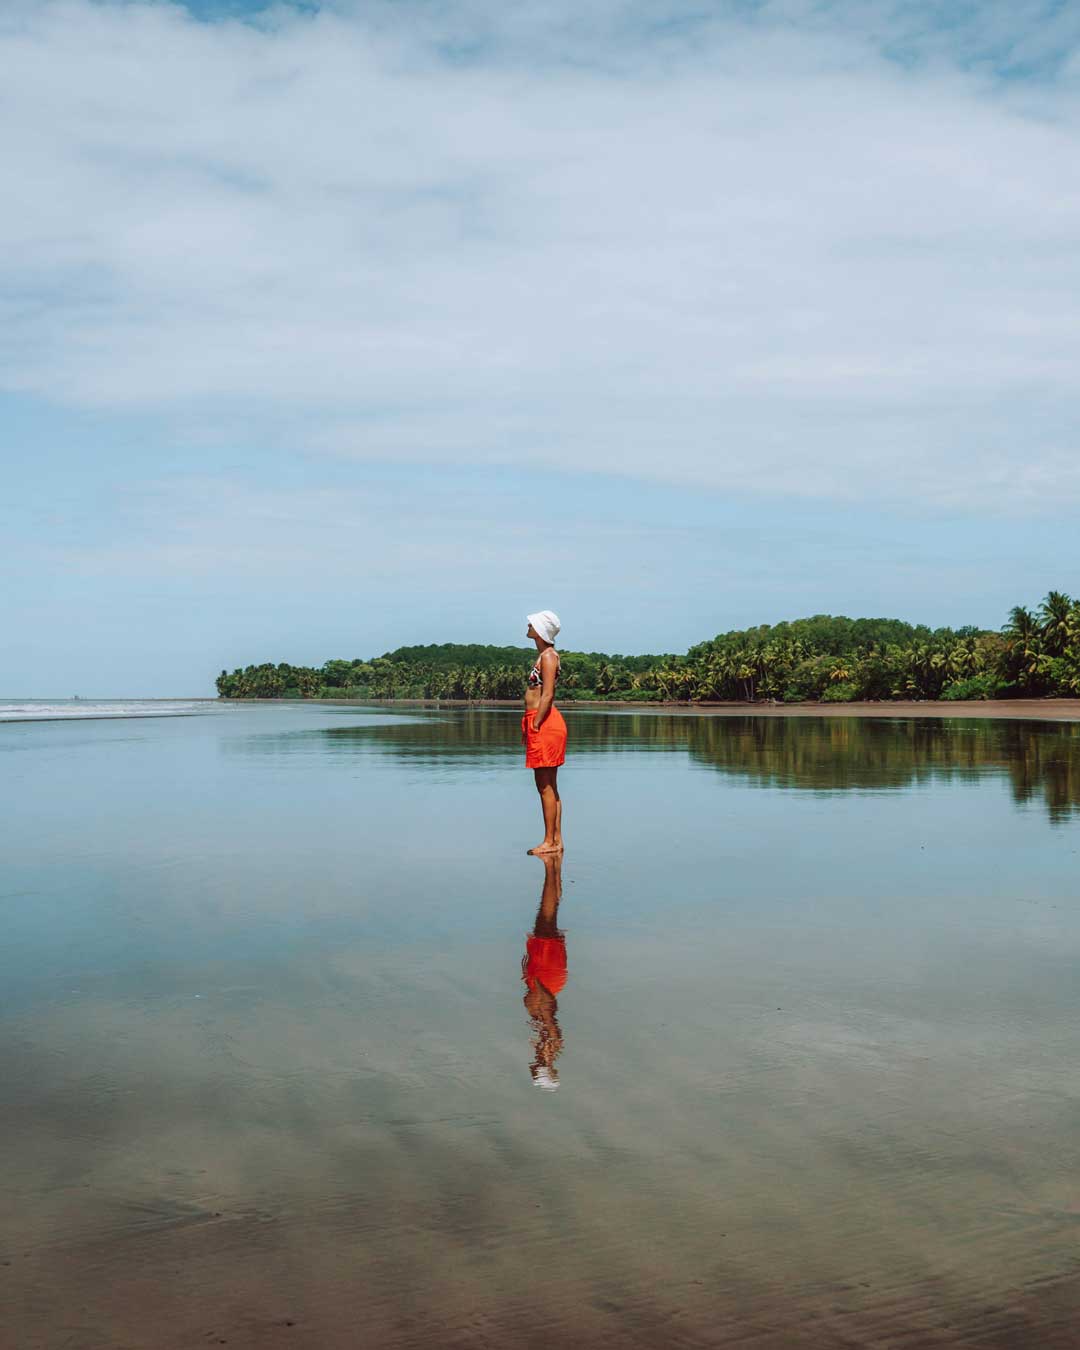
<point>549,664</point>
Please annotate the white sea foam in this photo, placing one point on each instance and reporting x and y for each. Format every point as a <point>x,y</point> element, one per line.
<point>50,710</point>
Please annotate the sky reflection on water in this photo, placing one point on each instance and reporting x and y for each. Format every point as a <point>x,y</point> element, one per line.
<point>278,989</point>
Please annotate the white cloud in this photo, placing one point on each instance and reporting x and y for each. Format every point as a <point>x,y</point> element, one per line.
<point>744,253</point>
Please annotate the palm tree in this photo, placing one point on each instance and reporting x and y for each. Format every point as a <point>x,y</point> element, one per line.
<point>1022,625</point>
<point>841,670</point>
<point>745,672</point>
<point>1022,645</point>
<point>663,680</point>
<point>308,682</point>
<point>1057,615</point>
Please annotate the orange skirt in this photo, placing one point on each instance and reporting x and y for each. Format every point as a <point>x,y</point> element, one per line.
<point>546,748</point>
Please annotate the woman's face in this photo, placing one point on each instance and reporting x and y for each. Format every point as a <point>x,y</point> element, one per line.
<point>532,633</point>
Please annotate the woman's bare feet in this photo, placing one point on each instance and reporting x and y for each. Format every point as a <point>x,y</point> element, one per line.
<point>548,846</point>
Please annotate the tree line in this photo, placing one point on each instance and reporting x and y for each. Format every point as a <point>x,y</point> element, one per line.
<point>827,658</point>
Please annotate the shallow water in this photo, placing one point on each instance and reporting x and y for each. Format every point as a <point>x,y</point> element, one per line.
<point>80,709</point>
<point>268,1077</point>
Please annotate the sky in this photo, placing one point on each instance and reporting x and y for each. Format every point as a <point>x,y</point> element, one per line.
<point>332,327</point>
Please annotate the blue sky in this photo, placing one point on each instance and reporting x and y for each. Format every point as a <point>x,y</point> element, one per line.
<point>329,328</point>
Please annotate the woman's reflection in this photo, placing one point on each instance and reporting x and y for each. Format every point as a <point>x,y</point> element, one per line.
<point>543,968</point>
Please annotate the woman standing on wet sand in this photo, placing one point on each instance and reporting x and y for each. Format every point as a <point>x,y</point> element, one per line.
<point>543,731</point>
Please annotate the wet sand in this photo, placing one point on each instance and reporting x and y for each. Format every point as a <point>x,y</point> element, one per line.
<point>831,1180</point>
<point>265,1080</point>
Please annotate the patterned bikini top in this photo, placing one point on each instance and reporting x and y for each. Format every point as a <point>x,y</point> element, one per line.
<point>536,679</point>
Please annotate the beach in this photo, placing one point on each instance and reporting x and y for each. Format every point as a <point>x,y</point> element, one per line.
<point>266,1062</point>
<point>556,436</point>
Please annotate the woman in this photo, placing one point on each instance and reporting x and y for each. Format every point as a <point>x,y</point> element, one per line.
<point>543,731</point>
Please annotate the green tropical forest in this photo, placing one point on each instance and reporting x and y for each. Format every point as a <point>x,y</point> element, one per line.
<point>826,658</point>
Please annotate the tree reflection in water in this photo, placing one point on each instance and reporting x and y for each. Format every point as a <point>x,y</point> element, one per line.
<point>543,968</point>
<point>1040,760</point>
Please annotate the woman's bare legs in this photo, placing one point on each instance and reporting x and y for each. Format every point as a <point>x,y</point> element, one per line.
<point>547,785</point>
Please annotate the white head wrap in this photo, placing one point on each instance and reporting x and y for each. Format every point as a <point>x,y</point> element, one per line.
<point>546,623</point>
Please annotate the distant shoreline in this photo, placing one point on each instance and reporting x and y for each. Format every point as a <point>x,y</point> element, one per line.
<point>1031,709</point>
